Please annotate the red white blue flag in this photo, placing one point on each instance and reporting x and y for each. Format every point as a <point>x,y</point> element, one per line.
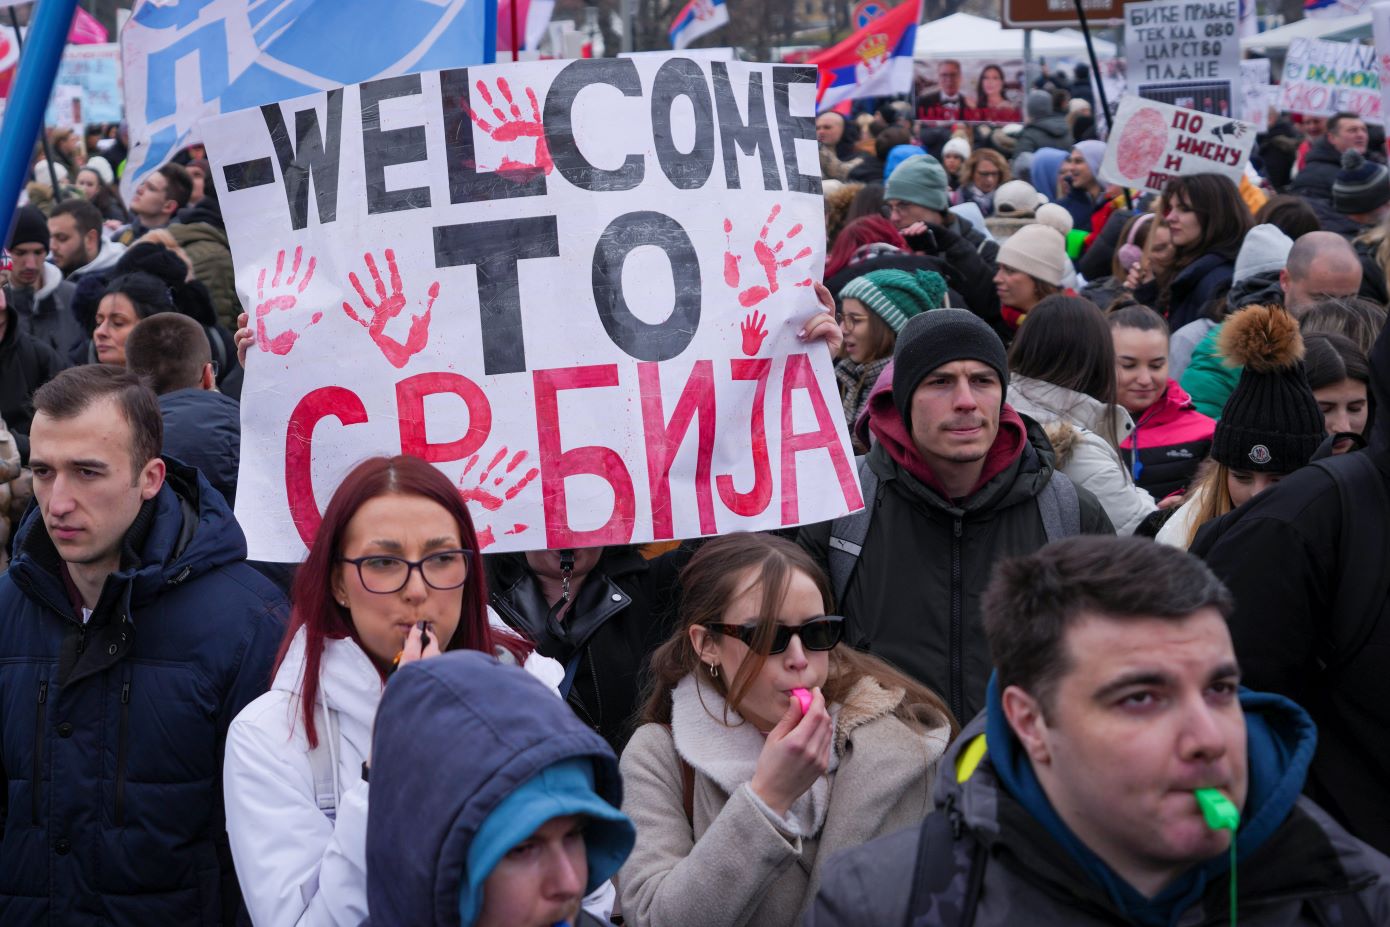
<point>876,61</point>
<point>697,18</point>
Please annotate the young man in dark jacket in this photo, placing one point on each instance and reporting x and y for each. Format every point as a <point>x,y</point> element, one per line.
<point>25,365</point>
<point>133,632</point>
<point>1345,132</point>
<point>1074,799</point>
<point>508,821</point>
<point>1307,563</point>
<point>961,481</point>
<point>37,290</point>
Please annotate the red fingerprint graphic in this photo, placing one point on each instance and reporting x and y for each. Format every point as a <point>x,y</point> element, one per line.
<point>1141,143</point>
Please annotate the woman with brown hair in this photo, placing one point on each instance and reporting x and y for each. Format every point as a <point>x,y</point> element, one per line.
<point>766,746</point>
<point>984,172</point>
<point>1208,221</point>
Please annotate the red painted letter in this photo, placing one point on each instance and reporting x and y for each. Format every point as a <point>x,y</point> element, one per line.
<point>756,499</point>
<point>410,405</point>
<point>798,375</point>
<point>558,464</point>
<point>343,405</point>
<point>664,440</point>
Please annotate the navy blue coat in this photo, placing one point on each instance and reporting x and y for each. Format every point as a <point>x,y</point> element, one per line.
<point>202,428</point>
<point>455,734</point>
<point>111,734</point>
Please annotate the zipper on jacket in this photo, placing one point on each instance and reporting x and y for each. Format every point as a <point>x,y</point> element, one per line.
<point>40,716</point>
<point>121,742</point>
<point>957,685</point>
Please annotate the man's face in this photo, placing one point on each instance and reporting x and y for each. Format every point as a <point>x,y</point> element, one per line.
<point>150,200</point>
<point>1351,133</point>
<point>1077,172</point>
<point>955,412</point>
<point>71,249</point>
<point>830,128</point>
<point>948,76</point>
<point>28,265</point>
<point>87,488</point>
<point>1324,279</point>
<point>1145,714</point>
<point>540,882</point>
<point>903,214</point>
<point>1313,126</point>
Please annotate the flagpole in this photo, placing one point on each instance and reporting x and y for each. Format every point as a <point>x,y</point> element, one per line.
<point>516,38</point>
<point>38,66</point>
<point>1100,84</point>
<point>43,131</point>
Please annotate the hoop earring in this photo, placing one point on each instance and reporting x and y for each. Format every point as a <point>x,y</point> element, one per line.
<point>713,670</point>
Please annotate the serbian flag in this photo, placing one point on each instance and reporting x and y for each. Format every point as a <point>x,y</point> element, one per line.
<point>697,18</point>
<point>876,61</point>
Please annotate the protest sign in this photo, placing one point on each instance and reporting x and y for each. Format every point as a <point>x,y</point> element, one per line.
<point>1256,92</point>
<point>1322,78</point>
<point>1184,53</point>
<point>1380,26</point>
<point>1153,142</point>
<point>575,287</point>
<point>96,71</point>
<point>979,90</point>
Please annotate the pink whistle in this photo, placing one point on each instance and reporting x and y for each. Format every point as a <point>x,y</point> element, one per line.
<point>803,696</point>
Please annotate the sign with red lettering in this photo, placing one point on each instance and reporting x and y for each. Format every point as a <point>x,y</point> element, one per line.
<point>1323,78</point>
<point>1152,142</point>
<point>576,287</point>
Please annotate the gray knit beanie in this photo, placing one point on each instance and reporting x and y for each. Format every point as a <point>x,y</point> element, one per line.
<point>921,180</point>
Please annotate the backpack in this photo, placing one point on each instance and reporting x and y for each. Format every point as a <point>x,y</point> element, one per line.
<point>1057,504</point>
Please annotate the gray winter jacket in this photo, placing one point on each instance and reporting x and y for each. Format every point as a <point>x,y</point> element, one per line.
<point>1310,872</point>
<point>1050,131</point>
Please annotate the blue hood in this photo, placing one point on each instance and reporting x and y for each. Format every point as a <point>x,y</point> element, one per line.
<point>1280,740</point>
<point>455,736</point>
<point>186,530</point>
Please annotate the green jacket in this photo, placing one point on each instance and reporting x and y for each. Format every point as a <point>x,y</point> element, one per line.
<point>206,246</point>
<point>1207,379</point>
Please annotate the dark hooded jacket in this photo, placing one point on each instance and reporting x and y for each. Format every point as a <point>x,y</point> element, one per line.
<point>1192,290</point>
<point>1297,868</point>
<point>427,801</point>
<point>1051,131</point>
<point>625,609</point>
<point>202,428</point>
<point>927,557</point>
<point>1312,585</point>
<point>112,731</point>
<point>1319,172</point>
<point>25,365</point>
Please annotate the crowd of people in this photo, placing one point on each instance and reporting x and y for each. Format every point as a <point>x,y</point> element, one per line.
<point>1107,643</point>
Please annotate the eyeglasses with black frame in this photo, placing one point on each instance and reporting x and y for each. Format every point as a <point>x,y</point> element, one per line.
<point>384,574</point>
<point>821,633</point>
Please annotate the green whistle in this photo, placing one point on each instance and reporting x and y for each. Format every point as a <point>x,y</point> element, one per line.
<point>1219,811</point>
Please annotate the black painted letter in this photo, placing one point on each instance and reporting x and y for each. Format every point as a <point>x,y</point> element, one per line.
<point>753,136</point>
<point>308,157</point>
<point>681,77</point>
<point>619,73</point>
<point>639,339</point>
<point>382,148</point>
<point>790,128</point>
<point>466,184</point>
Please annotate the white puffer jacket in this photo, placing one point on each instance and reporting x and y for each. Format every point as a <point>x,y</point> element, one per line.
<point>1074,423</point>
<point>296,867</point>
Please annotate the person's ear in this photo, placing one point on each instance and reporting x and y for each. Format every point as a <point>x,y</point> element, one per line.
<point>1284,280</point>
<point>703,642</point>
<point>208,380</point>
<point>151,478</point>
<point>1025,716</point>
<point>92,242</point>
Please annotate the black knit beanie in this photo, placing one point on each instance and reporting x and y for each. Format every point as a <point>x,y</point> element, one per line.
<point>30,228</point>
<point>940,337</point>
<point>1271,423</point>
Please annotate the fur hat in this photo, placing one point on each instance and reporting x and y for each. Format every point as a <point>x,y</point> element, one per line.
<point>1271,422</point>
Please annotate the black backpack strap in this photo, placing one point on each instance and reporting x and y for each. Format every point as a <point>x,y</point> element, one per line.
<point>943,838</point>
<point>847,534</point>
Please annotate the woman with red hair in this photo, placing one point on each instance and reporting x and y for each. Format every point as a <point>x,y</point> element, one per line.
<point>393,576</point>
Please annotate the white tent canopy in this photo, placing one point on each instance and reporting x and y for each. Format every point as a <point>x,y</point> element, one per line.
<point>1336,29</point>
<point>961,35</point>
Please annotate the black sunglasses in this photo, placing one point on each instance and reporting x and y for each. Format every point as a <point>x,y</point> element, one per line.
<point>817,634</point>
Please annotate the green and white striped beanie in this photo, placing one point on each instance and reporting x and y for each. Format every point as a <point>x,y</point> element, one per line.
<point>897,295</point>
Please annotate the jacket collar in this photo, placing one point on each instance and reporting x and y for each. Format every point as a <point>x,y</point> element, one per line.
<point>1170,406</point>
<point>1086,411</point>
<point>348,680</point>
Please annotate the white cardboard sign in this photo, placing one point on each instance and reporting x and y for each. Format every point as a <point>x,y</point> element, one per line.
<point>1153,142</point>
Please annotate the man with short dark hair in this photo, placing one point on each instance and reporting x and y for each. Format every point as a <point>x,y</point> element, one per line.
<point>36,289</point>
<point>1345,132</point>
<point>157,200</point>
<point>133,633</point>
<point>1073,800</point>
<point>76,242</point>
<point>955,481</point>
<point>202,427</point>
<point>946,103</point>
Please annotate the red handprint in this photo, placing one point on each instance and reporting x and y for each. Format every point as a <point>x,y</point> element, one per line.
<point>485,488</point>
<point>753,333</point>
<point>511,126</point>
<point>386,308</point>
<point>768,257</point>
<point>283,342</point>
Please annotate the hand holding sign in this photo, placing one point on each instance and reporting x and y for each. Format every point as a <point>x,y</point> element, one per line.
<point>283,302</point>
<point>768,257</point>
<point>512,126</point>
<point>386,308</point>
